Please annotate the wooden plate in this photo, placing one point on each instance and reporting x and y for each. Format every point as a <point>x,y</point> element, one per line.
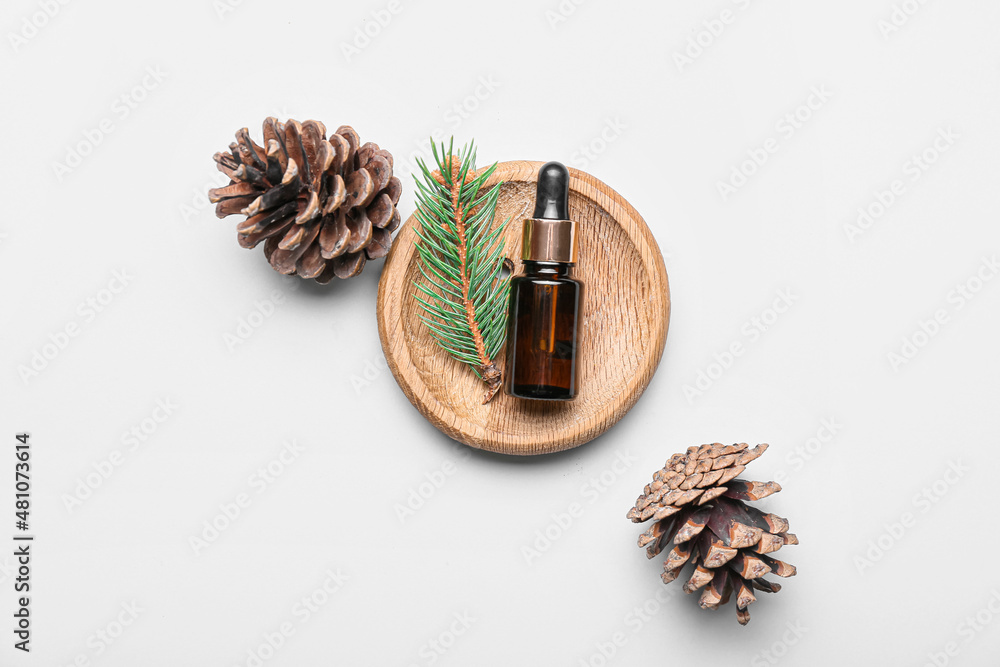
<point>626,310</point>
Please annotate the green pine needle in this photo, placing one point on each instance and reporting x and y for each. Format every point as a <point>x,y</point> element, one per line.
<point>461,260</point>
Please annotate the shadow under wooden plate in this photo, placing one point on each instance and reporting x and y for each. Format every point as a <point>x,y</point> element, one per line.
<point>623,328</point>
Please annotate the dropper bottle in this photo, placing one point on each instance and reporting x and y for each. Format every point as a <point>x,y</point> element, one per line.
<point>545,300</point>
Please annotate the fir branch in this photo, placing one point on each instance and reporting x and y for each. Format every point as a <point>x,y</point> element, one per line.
<point>463,294</point>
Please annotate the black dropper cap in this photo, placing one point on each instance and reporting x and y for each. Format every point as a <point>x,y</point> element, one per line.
<point>552,197</point>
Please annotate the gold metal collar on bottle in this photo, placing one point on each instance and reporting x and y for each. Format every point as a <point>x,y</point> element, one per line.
<point>549,241</point>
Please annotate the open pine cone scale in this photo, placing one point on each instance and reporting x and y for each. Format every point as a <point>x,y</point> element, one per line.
<point>322,205</point>
<point>701,515</point>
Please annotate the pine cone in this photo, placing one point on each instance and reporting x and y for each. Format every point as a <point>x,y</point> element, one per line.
<point>321,205</point>
<point>699,489</point>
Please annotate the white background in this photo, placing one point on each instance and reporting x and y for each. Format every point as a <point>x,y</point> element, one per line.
<point>886,575</point>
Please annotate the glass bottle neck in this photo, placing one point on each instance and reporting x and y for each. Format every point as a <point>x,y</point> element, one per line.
<point>547,269</point>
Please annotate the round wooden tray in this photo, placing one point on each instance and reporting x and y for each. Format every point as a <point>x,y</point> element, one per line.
<point>626,310</point>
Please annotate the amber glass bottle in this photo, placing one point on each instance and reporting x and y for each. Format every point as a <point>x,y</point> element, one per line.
<point>545,301</point>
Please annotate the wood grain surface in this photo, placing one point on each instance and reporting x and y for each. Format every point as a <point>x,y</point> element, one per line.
<point>623,327</point>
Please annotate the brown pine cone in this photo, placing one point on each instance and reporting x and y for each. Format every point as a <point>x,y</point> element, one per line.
<point>322,206</point>
<point>699,490</point>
